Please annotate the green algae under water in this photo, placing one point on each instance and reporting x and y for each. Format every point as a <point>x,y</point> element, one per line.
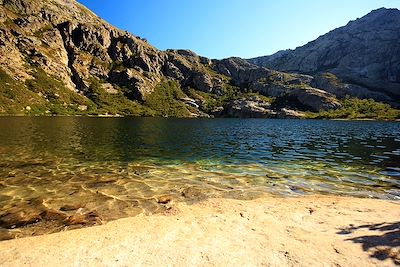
<point>119,167</point>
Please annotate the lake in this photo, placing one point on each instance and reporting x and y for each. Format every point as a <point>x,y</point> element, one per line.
<point>119,167</point>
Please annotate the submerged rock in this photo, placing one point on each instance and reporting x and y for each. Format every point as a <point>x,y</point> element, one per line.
<point>164,199</point>
<point>90,218</point>
<point>53,215</point>
<point>17,217</point>
<point>193,193</point>
<point>71,207</point>
<point>6,235</point>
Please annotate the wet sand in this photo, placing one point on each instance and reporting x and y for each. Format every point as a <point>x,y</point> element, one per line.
<point>306,231</point>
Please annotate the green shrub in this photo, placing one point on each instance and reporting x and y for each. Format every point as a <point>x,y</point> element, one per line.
<point>113,104</point>
<point>14,96</point>
<point>165,100</point>
<point>59,99</point>
<point>210,101</point>
<point>46,28</point>
<point>354,108</point>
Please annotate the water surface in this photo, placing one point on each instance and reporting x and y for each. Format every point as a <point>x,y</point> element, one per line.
<point>120,167</point>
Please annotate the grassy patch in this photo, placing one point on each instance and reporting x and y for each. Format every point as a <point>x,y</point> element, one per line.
<point>14,96</point>
<point>331,78</point>
<point>165,100</point>
<point>39,33</point>
<point>113,104</point>
<point>209,101</point>
<point>354,108</point>
<point>59,99</point>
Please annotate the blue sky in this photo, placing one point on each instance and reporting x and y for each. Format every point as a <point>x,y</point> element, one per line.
<point>224,28</point>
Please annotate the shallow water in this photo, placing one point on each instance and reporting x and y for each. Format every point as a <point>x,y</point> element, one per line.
<point>119,167</point>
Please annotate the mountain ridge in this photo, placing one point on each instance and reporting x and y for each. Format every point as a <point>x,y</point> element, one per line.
<point>365,52</point>
<point>58,57</point>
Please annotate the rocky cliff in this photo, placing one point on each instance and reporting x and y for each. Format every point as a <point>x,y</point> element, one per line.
<point>57,57</point>
<point>364,56</point>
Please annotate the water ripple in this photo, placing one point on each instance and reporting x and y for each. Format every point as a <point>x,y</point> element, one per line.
<point>120,167</point>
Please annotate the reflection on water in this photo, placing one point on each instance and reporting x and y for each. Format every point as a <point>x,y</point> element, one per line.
<point>64,172</point>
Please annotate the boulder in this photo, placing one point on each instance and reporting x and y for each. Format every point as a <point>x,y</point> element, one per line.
<point>249,108</point>
<point>303,96</point>
<point>315,99</point>
<point>203,82</point>
<point>289,114</point>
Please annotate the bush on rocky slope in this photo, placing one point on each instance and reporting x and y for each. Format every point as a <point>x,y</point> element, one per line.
<point>164,101</point>
<point>354,108</point>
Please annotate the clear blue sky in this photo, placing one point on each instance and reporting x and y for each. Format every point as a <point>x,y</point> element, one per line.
<point>224,28</point>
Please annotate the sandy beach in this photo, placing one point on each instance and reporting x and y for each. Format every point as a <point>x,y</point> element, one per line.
<point>306,231</point>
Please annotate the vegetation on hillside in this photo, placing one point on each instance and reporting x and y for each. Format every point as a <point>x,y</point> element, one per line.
<point>210,101</point>
<point>46,95</point>
<point>354,108</point>
<point>12,99</point>
<point>58,100</point>
<point>114,104</point>
<point>164,101</point>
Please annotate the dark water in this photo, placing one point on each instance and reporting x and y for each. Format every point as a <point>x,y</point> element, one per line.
<point>119,167</point>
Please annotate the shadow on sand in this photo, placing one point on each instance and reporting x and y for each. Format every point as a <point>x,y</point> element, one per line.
<point>383,243</point>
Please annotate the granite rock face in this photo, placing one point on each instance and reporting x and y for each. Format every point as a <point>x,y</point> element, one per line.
<point>365,54</point>
<point>69,42</point>
<point>252,107</point>
<point>277,84</point>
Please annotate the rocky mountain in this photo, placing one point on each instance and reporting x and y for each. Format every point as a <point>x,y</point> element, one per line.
<point>57,57</point>
<point>364,56</point>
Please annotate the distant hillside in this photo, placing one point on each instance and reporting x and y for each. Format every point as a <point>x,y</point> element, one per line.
<point>57,57</point>
<point>365,52</point>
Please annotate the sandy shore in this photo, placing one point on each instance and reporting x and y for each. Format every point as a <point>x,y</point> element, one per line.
<point>307,231</point>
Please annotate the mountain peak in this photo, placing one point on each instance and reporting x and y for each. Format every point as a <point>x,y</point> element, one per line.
<point>366,51</point>
<point>384,10</point>
<point>55,10</point>
<point>381,14</point>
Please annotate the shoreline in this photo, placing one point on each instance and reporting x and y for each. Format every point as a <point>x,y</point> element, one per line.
<point>273,231</point>
<point>193,118</point>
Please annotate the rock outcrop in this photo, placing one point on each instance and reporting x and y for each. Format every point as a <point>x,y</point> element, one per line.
<point>364,54</point>
<point>277,84</point>
<point>252,107</point>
